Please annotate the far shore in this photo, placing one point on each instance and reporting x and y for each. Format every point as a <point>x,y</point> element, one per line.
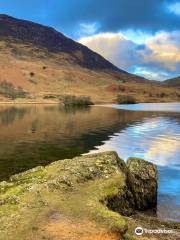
<point>38,102</point>
<point>57,102</point>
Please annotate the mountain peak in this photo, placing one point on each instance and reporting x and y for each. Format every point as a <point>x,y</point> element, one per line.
<point>53,41</point>
<point>3,16</point>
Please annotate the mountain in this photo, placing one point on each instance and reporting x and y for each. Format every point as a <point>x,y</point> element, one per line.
<point>173,82</point>
<point>53,41</point>
<point>44,63</point>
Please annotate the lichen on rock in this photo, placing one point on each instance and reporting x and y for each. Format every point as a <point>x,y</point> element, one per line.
<point>143,180</point>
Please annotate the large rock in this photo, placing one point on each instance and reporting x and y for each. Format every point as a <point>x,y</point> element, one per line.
<point>143,181</point>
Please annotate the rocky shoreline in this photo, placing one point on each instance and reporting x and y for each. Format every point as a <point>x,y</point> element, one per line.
<point>94,196</point>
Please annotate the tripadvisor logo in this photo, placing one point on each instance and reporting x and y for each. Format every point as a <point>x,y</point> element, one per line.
<point>139,231</point>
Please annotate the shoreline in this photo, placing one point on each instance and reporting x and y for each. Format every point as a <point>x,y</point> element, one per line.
<point>95,103</point>
<point>1,103</point>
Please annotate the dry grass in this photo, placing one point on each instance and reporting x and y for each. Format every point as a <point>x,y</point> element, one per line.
<point>41,73</point>
<point>69,230</point>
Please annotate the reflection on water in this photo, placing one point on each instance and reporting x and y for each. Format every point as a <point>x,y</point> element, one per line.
<point>39,134</point>
<point>156,139</point>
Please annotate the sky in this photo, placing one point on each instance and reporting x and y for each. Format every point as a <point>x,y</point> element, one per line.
<point>139,36</point>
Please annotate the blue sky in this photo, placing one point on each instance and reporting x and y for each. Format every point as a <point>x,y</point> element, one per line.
<point>139,36</point>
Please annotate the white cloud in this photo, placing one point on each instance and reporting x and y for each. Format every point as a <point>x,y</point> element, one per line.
<point>165,50</point>
<point>86,29</point>
<point>150,73</point>
<point>137,36</point>
<point>114,47</point>
<point>174,8</point>
<point>162,150</point>
<point>155,57</point>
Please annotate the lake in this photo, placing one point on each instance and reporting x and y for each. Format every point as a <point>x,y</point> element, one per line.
<point>32,135</point>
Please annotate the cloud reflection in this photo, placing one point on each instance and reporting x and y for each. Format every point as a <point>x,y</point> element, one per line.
<point>156,140</point>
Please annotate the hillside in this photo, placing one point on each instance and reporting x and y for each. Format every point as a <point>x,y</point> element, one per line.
<point>174,82</point>
<point>51,40</point>
<point>40,63</point>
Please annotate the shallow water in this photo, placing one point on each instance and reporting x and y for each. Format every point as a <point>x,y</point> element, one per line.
<point>39,134</point>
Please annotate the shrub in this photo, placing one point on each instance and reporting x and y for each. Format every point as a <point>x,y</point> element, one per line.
<point>50,96</point>
<point>163,95</point>
<point>125,99</point>
<point>122,89</point>
<point>20,93</point>
<point>7,89</point>
<point>70,100</point>
<point>32,74</point>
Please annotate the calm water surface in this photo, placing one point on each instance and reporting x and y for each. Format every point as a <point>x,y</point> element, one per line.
<point>39,134</point>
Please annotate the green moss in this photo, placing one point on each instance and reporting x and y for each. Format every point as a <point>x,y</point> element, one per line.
<point>13,191</point>
<point>32,176</point>
<point>7,209</point>
<point>98,193</point>
<point>4,186</point>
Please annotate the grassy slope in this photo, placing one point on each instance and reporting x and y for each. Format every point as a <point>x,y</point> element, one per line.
<point>41,73</point>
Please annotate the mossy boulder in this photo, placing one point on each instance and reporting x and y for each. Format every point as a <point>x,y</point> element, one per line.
<point>143,181</point>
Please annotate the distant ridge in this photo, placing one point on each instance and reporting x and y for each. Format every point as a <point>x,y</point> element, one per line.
<point>173,82</point>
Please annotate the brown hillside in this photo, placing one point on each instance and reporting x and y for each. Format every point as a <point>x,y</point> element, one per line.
<point>44,62</point>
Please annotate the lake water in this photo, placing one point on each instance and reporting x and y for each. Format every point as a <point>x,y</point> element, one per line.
<point>32,135</point>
